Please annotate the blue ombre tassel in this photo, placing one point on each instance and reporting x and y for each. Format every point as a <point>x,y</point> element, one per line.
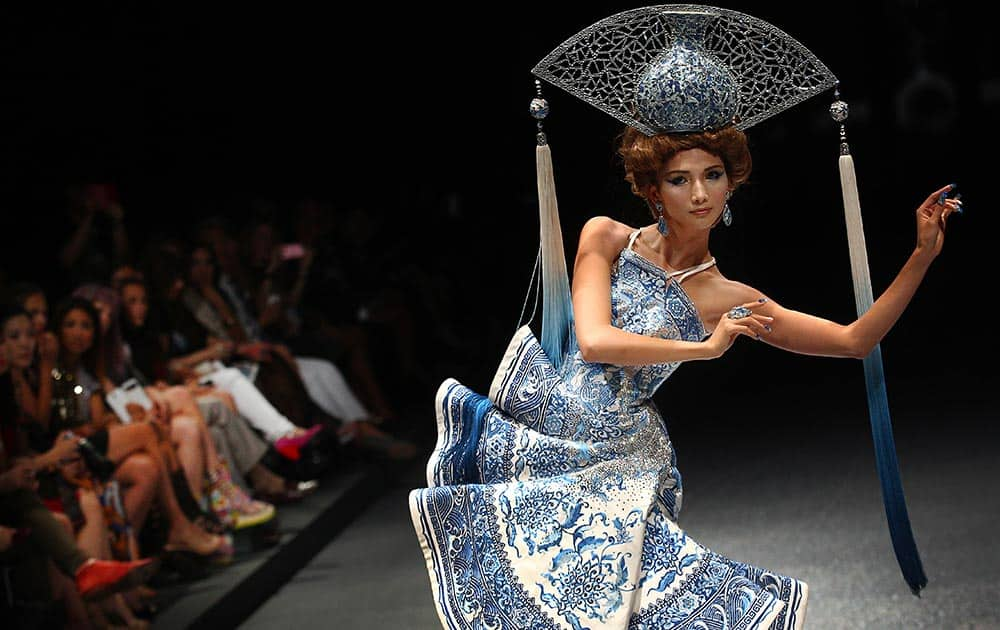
<point>558,337</point>
<point>896,513</point>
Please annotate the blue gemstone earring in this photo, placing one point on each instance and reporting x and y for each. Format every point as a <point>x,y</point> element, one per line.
<point>661,225</point>
<point>727,215</point>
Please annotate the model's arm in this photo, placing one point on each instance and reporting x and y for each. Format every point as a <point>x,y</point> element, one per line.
<point>601,241</point>
<point>807,334</point>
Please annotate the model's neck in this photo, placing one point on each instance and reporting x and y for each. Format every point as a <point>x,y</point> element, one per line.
<point>680,251</point>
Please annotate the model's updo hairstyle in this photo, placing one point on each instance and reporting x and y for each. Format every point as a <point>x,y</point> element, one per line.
<point>645,157</point>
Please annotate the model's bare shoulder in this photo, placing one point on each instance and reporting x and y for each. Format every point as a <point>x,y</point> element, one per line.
<point>605,235</point>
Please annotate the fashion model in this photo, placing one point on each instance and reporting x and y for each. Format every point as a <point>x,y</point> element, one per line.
<point>553,502</point>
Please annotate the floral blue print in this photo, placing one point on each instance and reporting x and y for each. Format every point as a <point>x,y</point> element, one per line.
<point>553,502</point>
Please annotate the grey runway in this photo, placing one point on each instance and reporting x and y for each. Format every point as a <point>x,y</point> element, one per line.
<point>800,497</point>
<point>371,576</point>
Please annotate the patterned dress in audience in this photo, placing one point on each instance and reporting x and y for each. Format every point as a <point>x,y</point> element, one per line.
<point>553,503</point>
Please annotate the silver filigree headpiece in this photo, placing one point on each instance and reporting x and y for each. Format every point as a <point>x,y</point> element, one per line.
<point>678,68</point>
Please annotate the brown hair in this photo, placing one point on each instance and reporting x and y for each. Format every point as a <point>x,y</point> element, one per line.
<point>645,156</point>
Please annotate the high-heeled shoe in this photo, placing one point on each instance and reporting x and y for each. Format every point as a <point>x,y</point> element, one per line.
<point>232,505</point>
<point>291,445</point>
<point>96,579</point>
<point>222,553</point>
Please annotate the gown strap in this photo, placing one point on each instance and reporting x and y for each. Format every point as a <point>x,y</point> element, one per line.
<point>683,274</point>
<point>631,239</point>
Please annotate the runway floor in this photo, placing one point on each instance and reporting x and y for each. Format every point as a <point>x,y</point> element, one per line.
<point>799,496</point>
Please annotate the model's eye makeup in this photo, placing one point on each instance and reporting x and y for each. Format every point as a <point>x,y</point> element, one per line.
<point>676,180</point>
<point>716,174</point>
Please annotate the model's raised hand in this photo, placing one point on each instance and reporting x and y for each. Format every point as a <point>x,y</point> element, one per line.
<point>932,218</point>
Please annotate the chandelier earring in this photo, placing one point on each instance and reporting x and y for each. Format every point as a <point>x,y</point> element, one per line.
<point>661,224</point>
<point>727,214</point>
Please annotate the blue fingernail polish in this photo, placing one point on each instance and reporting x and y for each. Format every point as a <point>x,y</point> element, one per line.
<point>762,300</point>
<point>941,198</point>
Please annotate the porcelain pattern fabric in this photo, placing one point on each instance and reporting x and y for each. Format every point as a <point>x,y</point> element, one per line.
<point>553,502</point>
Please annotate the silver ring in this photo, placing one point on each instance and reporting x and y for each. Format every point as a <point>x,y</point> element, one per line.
<point>739,312</point>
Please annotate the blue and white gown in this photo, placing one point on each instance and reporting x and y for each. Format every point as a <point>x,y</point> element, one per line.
<point>553,503</point>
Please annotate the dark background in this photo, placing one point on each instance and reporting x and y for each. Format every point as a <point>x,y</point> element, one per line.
<point>420,114</point>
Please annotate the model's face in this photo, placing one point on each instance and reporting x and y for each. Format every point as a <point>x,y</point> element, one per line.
<point>76,334</point>
<point>134,301</point>
<point>19,341</point>
<point>692,189</point>
<point>38,308</point>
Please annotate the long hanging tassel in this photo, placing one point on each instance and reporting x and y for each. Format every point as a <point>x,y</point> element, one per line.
<point>557,306</point>
<point>878,405</point>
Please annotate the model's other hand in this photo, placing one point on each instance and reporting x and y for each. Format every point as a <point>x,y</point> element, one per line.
<point>932,218</point>
<point>728,329</point>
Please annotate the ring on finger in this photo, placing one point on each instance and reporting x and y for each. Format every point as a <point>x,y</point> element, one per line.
<point>739,312</point>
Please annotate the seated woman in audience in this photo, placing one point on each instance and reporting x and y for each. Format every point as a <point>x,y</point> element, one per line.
<point>48,565</point>
<point>20,507</point>
<point>206,474</point>
<point>242,448</point>
<point>32,299</point>
<point>278,277</point>
<point>144,460</point>
<point>87,504</point>
<point>225,320</point>
<point>199,342</point>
